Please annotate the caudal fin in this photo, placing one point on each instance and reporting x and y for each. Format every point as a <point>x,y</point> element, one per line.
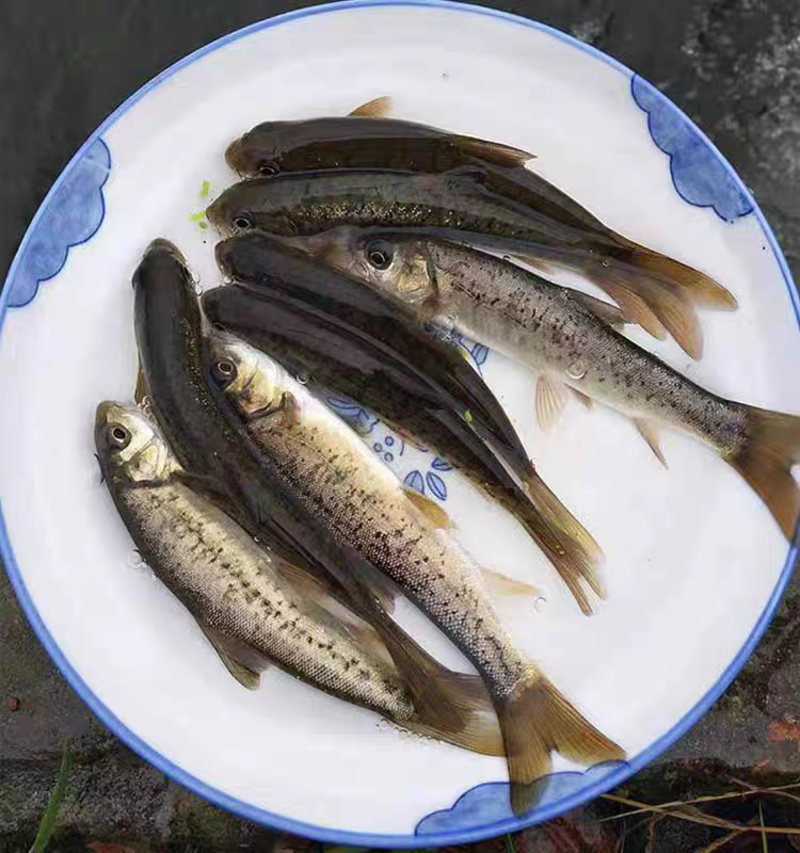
<point>700,288</point>
<point>766,461</point>
<point>536,720</point>
<point>653,290</point>
<point>643,296</point>
<point>451,706</point>
<point>571,548</point>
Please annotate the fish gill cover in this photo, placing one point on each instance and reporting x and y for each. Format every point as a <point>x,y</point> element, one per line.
<point>699,174</point>
<point>72,215</point>
<point>490,803</point>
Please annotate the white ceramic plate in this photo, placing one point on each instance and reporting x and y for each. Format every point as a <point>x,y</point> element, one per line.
<point>695,564</point>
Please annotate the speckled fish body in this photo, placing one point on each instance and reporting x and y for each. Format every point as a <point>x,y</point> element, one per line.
<point>231,585</point>
<point>573,342</point>
<point>363,504</point>
<point>328,360</point>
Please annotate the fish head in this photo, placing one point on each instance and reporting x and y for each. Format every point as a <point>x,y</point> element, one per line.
<point>259,151</point>
<point>161,262</point>
<point>395,264</point>
<point>251,379</point>
<point>248,206</point>
<point>128,444</point>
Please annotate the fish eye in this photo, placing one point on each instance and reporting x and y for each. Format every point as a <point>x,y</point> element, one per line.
<point>224,372</point>
<point>380,254</point>
<point>118,436</point>
<point>268,167</point>
<point>243,221</point>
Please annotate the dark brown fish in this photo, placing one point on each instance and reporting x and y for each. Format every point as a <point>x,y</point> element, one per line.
<point>329,361</point>
<point>363,139</point>
<point>218,455</point>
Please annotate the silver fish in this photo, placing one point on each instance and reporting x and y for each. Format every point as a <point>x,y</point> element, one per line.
<point>364,505</point>
<point>252,605</point>
<point>572,339</point>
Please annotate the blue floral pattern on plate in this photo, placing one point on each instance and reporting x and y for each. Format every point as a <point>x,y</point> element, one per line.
<point>71,216</point>
<point>490,803</point>
<point>698,174</point>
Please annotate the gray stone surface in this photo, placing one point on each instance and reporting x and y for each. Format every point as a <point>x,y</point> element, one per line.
<point>734,65</point>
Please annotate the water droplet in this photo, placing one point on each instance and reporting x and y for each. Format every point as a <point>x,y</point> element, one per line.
<point>445,75</point>
<point>377,447</point>
<point>577,370</point>
<point>389,457</point>
<point>135,560</point>
<point>388,441</point>
<point>303,378</point>
<point>539,604</point>
<point>506,257</point>
<point>606,262</point>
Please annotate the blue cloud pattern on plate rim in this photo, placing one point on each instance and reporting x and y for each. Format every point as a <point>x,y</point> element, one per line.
<point>73,215</point>
<point>58,226</point>
<point>489,802</point>
<point>698,174</point>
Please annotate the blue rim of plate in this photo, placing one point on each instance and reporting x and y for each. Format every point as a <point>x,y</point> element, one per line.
<point>360,839</point>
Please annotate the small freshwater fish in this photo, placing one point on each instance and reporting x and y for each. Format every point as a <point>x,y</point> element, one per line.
<point>365,138</point>
<point>219,457</point>
<point>362,503</point>
<point>573,342</point>
<point>653,290</point>
<point>253,606</point>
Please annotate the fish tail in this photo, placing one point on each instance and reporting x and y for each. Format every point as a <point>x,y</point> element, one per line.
<point>700,288</point>
<point>765,461</point>
<point>641,284</point>
<point>655,303</point>
<point>451,706</point>
<point>574,553</point>
<point>537,720</point>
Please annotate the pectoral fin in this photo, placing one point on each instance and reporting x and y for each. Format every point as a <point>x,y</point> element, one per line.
<point>141,389</point>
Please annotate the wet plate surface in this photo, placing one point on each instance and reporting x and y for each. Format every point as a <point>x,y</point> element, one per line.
<point>694,562</point>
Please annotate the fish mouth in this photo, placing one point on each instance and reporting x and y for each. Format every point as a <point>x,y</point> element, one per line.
<point>215,214</point>
<point>233,156</point>
<point>222,252</point>
<point>163,246</point>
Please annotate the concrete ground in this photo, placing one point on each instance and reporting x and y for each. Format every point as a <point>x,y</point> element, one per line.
<point>734,65</point>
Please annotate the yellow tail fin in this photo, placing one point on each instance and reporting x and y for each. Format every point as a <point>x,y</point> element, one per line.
<point>569,545</point>
<point>536,720</point>
<point>766,463</point>
<point>700,288</point>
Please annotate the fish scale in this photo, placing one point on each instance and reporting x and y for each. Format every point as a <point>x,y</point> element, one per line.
<point>375,516</point>
<point>360,501</point>
<point>229,582</point>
